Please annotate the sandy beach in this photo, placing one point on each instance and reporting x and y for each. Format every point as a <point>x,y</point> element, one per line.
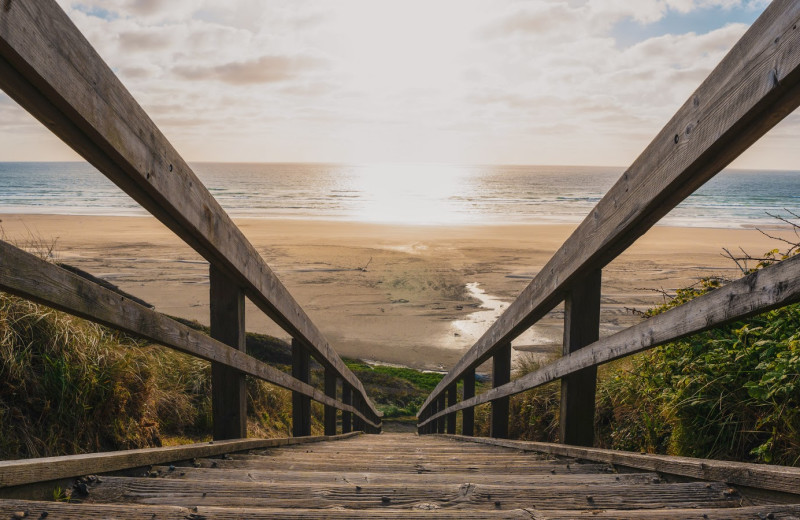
<point>426,295</point>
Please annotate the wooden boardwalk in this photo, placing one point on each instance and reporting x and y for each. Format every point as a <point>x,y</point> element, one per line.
<point>399,476</point>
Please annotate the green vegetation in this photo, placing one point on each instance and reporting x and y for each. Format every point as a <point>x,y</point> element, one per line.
<point>729,393</point>
<point>732,392</point>
<point>398,392</point>
<point>70,386</point>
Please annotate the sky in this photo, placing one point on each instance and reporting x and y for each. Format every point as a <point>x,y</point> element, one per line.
<point>414,81</point>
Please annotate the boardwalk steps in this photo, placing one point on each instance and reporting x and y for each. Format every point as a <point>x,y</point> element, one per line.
<point>401,476</point>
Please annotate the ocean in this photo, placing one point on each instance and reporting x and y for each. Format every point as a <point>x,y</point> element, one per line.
<point>402,194</point>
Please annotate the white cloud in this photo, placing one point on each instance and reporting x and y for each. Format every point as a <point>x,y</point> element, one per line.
<point>506,81</point>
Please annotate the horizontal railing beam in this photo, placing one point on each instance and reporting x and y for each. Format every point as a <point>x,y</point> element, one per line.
<point>53,72</point>
<point>785,479</point>
<point>754,87</point>
<point>29,277</point>
<point>30,471</point>
<point>771,287</point>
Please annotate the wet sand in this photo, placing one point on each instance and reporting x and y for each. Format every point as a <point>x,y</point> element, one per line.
<point>427,292</point>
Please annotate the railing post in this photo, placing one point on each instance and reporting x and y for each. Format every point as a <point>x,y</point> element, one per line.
<point>501,374</point>
<point>347,417</point>
<point>581,327</point>
<point>434,407</point>
<point>440,422</point>
<point>301,404</point>
<point>331,379</point>
<point>452,397</point>
<point>358,422</point>
<point>228,389</point>
<point>468,414</point>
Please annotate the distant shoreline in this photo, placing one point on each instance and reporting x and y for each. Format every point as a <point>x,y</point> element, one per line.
<point>397,194</point>
<point>770,224</point>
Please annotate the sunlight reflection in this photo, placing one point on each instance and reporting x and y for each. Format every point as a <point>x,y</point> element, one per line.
<point>413,194</point>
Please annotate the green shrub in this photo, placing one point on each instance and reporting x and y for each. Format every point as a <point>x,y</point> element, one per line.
<point>732,392</point>
<point>71,386</point>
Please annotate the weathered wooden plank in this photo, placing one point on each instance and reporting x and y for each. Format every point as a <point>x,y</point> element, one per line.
<point>144,512</point>
<point>419,479</point>
<point>466,496</point>
<point>410,467</point>
<point>754,87</point>
<point>228,386</point>
<point>403,458</point>
<point>760,476</point>
<point>581,328</point>
<point>789,512</point>
<point>25,275</point>
<point>501,374</point>
<point>769,288</point>
<point>301,405</point>
<point>57,510</point>
<point>53,72</point>
<point>19,472</point>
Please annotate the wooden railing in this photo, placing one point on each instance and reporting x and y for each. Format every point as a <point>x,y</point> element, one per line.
<point>52,71</point>
<point>754,87</point>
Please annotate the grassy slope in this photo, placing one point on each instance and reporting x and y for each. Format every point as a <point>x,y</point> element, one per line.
<point>730,393</point>
<point>70,386</point>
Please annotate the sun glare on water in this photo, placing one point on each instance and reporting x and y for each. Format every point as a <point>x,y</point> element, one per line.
<point>413,194</point>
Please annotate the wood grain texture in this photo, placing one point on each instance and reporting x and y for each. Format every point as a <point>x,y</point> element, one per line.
<point>390,478</point>
<point>27,276</point>
<point>470,496</point>
<point>18,472</point>
<point>753,88</point>
<point>337,484</point>
<point>54,73</point>
<point>517,467</point>
<point>64,511</point>
<point>760,476</point>
<point>771,287</point>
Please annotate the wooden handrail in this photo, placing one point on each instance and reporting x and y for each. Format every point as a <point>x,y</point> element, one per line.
<point>52,71</point>
<point>754,87</point>
<point>766,289</point>
<point>785,479</point>
<point>27,276</point>
<point>28,471</point>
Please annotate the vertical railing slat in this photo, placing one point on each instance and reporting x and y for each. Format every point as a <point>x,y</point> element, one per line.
<point>581,328</point>
<point>301,405</point>
<point>331,380</point>
<point>452,397</point>
<point>228,385</point>
<point>468,414</point>
<point>501,374</point>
